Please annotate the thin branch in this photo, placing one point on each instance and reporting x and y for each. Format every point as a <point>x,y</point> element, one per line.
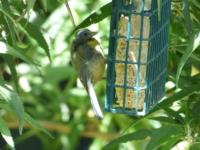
<point>63,128</point>
<point>70,13</point>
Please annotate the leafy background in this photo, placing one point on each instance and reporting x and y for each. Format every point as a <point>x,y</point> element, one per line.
<point>43,108</point>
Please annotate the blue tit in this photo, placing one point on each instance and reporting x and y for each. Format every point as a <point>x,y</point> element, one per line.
<point>88,60</point>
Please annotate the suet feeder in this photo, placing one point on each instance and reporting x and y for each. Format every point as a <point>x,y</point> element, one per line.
<point>137,57</point>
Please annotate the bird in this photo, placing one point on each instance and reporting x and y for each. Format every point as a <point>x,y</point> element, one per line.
<point>89,62</point>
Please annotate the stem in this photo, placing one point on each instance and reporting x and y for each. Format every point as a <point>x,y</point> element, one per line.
<point>70,13</point>
<point>63,128</point>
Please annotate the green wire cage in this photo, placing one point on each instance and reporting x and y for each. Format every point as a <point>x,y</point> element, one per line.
<point>137,58</point>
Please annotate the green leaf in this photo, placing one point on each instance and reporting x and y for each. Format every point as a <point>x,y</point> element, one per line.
<point>196,3</point>
<point>8,23</point>
<point>15,103</point>
<point>161,135</point>
<point>11,63</point>
<point>195,146</point>
<point>186,14</point>
<point>95,17</point>
<point>30,4</point>
<point>33,31</point>
<point>56,74</point>
<point>176,96</point>
<point>138,135</point>
<point>164,119</point>
<point>195,110</point>
<point>174,114</point>
<point>171,142</point>
<point>35,124</point>
<point>7,49</point>
<point>193,45</point>
<point>30,30</point>
<point>193,56</point>
<point>44,3</point>
<point>6,134</point>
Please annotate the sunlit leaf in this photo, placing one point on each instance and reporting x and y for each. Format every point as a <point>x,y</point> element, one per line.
<point>164,119</point>
<point>6,134</point>
<point>11,63</point>
<point>193,45</point>
<point>8,23</point>
<point>30,30</point>
<point>95,17</point>
<point>161,136</point>
<point>7,49</point>
<point>171,142</point>
<point>36,34</point>
<point>30,4</point>
<point>176,96</point>
<point>174,114</point>
<point>138,135</point>
<point>14,101</point>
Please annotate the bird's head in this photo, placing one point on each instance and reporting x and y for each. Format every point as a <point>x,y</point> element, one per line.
<point>84,35</point>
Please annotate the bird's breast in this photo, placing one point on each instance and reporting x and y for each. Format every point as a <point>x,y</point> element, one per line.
<point>97,68</point>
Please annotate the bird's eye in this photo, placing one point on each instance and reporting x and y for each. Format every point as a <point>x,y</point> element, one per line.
<point>85,34</point>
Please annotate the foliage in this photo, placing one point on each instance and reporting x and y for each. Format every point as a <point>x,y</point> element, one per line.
<point>39,94</point>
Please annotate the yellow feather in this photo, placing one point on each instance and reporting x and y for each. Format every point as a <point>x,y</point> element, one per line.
<point>93,43</point>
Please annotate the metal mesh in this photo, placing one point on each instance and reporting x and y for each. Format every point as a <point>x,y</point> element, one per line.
<point>137,57</point>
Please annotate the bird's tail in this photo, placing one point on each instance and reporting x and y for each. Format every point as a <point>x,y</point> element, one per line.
<point>93,100</point>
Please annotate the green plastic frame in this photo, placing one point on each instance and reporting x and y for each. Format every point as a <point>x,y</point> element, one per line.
<point>156,62</point>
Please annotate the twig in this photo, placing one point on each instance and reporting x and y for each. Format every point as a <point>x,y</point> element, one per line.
<point>70,13</point>
<point>63,128</point>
